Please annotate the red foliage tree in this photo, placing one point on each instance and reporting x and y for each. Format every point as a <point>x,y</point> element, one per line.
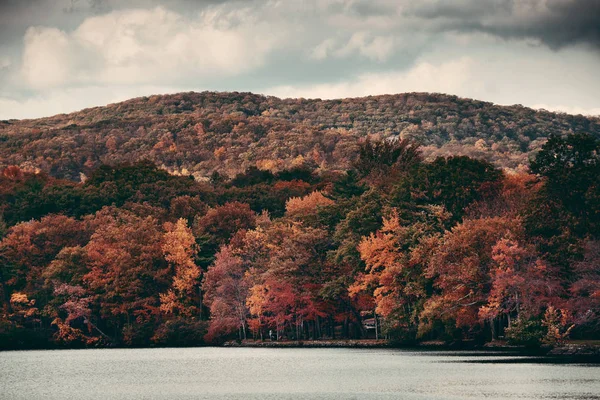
<point>127,271</point>
<point>226,289</point>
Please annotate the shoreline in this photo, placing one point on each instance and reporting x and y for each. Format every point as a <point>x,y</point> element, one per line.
<point>349,343</point>
<point>572,352</point>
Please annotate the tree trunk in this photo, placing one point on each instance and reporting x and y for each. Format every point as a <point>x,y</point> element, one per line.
<point>361,328</point>
<point>332,327</point>
<point>375,321</point>
<point>346,330</point>
<point>319,333</point>
<point>200,316</point>
<point>5,296</point>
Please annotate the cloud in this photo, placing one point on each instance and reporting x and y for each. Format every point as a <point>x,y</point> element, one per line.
<point>5,63</point>
<point>495,50</point>
<point>143,46</point>
<point>323,49</point>
<point>47,58</point>
<point>555,23</point>
<point>377,48</point>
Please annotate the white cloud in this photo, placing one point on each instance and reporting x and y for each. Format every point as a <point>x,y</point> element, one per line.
<point>47,57</point>
<point>323,49</point>
<point>5,63</point>
<point>143,46</point>
<point>377,48</point>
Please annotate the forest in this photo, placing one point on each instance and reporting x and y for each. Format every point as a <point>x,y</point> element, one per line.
<point>201,133</point>
<point>396,242</point>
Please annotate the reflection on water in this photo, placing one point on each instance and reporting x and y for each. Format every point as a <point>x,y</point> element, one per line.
<point>244,373</point>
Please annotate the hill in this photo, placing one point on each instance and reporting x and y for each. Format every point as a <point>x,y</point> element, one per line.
<point>198,133</point>
<point>447,249</point>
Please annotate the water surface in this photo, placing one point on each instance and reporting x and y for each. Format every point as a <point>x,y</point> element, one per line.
<point>258,373</point>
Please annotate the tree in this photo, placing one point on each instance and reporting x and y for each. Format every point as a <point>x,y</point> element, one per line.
<point>516,194</point>
<point>307,206</point>
<point>274,304</point>
<point>583,301</point>
<point>127,272</point>
<point>180,249</point>
<point>76,328</point>
<point>3,227</point>
<point>273,274</point>
<point>222,222</point>
<point>363,218</point>
<point>287,269</point>
<point>348,185</point>
<point>522,284</point>
<point>395,258</point>
<point>377,155</point>
<point>29,247</point>
<point>226,290</point>
<point>24,310</point>
<point>454,182</point>
<point>571,168</point>
<point>460,267</point>
<point>187,207</point>
<point>384,159</point>
<point>69,266</point>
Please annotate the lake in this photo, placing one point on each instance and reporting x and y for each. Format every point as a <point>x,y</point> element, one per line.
<point>259,373</point>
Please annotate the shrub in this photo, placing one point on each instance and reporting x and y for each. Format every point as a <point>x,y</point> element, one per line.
<point>527,332</point>
<point>180,333</point>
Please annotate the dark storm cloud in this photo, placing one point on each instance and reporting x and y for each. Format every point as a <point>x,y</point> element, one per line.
<point>556,23</point>
<point>18,15</point>
<point>568,22</point>
<point>462,10</point>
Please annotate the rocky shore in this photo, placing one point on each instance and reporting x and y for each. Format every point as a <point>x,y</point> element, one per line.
<point>576,350</point>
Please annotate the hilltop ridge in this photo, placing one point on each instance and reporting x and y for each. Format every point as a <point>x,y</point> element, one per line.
<point>198,133</point>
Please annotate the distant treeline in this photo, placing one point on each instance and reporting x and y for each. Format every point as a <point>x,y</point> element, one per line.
<point>200,133</point>
<point>449,249</point>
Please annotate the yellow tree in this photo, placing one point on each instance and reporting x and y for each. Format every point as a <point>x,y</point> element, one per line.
<point>179,248</point>
<point>303,206</point>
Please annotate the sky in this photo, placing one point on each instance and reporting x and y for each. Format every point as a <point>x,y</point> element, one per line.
<point>58,56</point>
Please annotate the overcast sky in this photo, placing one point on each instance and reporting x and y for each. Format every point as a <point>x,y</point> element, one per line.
<point>63,55</point>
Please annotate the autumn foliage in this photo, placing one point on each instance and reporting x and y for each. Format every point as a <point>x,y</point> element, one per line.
<point>399,247</point>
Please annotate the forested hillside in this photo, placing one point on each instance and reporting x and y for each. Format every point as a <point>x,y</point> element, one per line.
<point>199,133</point>
<point>397,245</point>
